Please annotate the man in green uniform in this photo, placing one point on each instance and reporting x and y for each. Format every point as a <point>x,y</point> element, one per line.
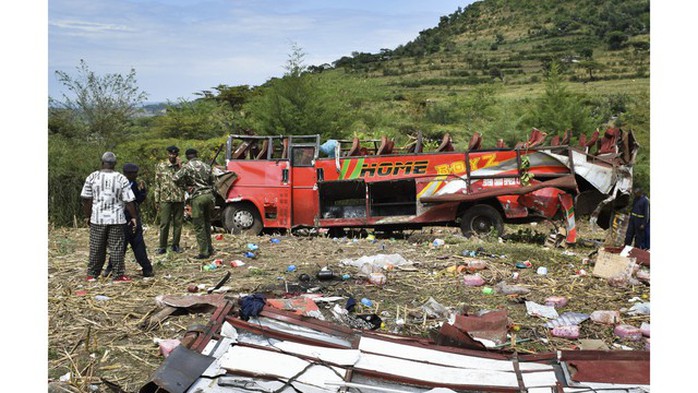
<point>197,179</point>
<point>169,199</point>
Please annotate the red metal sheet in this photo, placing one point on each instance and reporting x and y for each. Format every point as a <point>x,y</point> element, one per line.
<point>491,326</point>
<point>624,367</point>
<point>611,371</point>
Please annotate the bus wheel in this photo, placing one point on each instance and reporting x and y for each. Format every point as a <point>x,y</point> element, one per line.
<point>481,220</point>
<point>242,218</point>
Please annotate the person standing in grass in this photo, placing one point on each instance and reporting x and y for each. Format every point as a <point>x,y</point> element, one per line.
<point>169,200</point>
<point>639,221</point>
<point>105,195</point>
<point>197,179</point>
<point>134,235</point>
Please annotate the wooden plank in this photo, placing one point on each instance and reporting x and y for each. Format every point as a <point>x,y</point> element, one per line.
<point>433,356</point>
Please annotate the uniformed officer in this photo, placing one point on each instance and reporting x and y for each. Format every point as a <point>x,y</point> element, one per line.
<point>639,219</point>
<point>169,200</point>
<point>197,179</point>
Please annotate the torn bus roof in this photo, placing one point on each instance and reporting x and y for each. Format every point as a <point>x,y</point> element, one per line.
<point>283,352</point>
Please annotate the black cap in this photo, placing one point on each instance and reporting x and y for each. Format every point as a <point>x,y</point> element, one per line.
<point>190,152</point>
<point>130,168</point>
<point>173,149</point>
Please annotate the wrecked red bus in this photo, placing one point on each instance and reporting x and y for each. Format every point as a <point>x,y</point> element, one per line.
<point>284,182</point>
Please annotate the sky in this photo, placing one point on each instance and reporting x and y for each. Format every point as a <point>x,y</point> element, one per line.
<point>180,47</point>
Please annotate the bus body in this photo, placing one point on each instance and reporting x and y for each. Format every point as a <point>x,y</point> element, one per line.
<point>283,183</point>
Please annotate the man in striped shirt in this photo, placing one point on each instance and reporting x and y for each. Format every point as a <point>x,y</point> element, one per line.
<point>105,194</point>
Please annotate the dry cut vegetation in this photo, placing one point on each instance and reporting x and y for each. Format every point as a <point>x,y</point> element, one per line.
<point>97,331</point>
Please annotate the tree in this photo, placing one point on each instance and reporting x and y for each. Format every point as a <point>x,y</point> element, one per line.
<point>199,119</point>
<point>101,104</point>
<point>558,109</point>
<point>591,66</point>
<point>616,40</point>
<point>234,96</point>
<point>294,65</point>
<point>294,104</point>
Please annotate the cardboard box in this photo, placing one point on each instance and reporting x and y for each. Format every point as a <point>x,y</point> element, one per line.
<point>609,264</point>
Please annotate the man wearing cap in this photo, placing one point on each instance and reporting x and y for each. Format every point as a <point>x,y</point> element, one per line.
<point>134,235</point>
<point>106,193</point>
<point>196,177</point>
<point>169,200</point>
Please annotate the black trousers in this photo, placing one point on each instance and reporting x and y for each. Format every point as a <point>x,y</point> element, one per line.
<point>137,243</point>
<point>635,233</point>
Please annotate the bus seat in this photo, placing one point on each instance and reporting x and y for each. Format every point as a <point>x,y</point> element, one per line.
<point>446,143</point>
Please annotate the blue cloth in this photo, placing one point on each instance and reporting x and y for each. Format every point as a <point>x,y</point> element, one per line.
<point>328,147</point>
<point>251,306</point>
<point>351,303</point>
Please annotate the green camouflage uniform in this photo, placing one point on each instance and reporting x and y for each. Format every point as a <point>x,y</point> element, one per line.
<point>170,199</point>
<point>196,177</point>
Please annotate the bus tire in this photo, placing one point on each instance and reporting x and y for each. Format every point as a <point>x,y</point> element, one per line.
<point>242,218</point>
<point>480,220</point>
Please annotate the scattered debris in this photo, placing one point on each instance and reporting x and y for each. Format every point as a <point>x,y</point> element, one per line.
<point>556,301</point>
<point>538,310</point>
<point>609,265</point>
<point>280,350</point>
<point>473,280</point>
<point>608,317</point>
<point>506,289</point>
<point>566,331</point>
<point>569,318</point>
<point>627,332</point>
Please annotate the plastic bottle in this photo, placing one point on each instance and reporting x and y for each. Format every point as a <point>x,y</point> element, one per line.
<point>468,253</point>
<point>250,254</point>
<point>325,274</point>
<point>438,242</point>
<point>237,263</point>
<point>567,331</point>
<point>275,240</point>
<point>291,268</point>
<point>377,278</point>
<point>366,302</point>
<point>473,280</point>
<point>346,276</point>
<point>628,332</point>
<point>476,264</point>
<point>487,290</point>
<point>556,301</point>
<point>542,270</point>
<point>506,289</point>
<point>252,246</point>
<point>209,267</point>
<point>607,317</point>
<point>523,265</point>
<point>368,268</point>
